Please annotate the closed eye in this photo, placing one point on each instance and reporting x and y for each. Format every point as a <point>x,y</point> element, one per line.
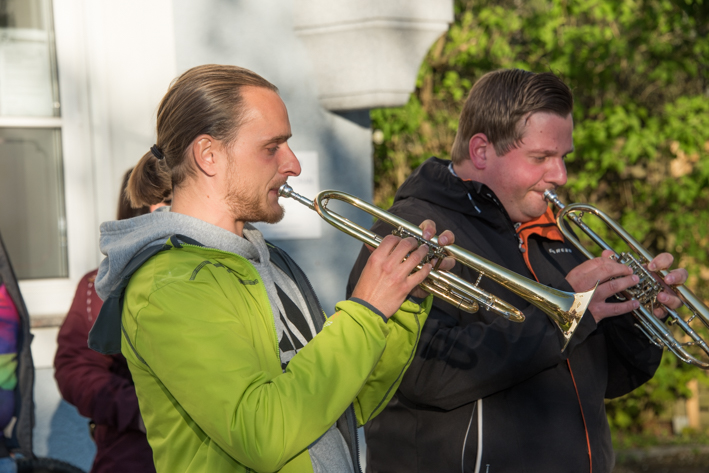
<point>273,144</point>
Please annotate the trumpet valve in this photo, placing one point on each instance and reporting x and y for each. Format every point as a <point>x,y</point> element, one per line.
<point>647,289</point>
<point>435,251</point>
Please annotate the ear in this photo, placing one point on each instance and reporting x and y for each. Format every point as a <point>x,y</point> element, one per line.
<point>206,152</point>
<point>478,149</point>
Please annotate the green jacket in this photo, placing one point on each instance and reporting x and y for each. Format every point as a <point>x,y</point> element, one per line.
<point>200,340</point>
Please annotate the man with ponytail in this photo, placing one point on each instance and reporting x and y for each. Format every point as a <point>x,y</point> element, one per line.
<point>235,365</point>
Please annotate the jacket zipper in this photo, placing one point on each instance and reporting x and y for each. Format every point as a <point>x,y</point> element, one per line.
<point>512,226</point>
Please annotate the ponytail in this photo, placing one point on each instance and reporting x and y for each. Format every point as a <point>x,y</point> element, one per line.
<point>150,182</point>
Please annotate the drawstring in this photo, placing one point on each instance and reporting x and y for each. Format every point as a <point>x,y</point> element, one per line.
<point>473,202</point>
<point>470,198</point>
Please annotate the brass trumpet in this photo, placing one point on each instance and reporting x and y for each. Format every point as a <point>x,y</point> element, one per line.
<point>647,289</point>
<point>564,308</point>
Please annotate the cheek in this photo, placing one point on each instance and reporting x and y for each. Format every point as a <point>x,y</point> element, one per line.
<point>530,176</point>
<point>519,180</point>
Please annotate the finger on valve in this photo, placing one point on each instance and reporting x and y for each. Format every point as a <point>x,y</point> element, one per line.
<point>386,279</point>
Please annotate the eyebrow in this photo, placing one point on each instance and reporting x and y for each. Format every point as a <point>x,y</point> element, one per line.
<point>547,152</point>
<point>278,139</point>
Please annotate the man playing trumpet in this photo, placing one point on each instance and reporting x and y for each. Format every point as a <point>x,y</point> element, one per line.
<point>235,366</point>
<point>483,394</point>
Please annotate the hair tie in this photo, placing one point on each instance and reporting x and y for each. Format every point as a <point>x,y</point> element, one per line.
<point>157,152</point>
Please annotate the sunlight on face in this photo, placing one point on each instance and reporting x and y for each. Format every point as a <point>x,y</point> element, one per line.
<point>260,159</point>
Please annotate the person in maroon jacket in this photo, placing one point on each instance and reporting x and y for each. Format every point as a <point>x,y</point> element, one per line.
<point>101,386</point>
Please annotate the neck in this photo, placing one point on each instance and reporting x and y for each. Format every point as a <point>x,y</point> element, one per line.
<point>467,171</point>
<point>207,205</point>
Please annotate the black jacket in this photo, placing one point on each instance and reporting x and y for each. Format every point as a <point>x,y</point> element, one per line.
<point>534,414</point>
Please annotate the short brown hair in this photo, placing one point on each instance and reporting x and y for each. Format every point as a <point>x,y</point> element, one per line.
<point>204,100</point>
<point>500,99</point>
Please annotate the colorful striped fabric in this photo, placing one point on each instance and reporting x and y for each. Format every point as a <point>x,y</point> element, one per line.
<point>9,328</point>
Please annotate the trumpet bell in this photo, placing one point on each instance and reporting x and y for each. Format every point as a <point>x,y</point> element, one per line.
<point>568,320</point>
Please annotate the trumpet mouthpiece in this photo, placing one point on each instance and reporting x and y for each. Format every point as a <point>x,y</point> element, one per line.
<point>551,196</point>
<point>285,190</point>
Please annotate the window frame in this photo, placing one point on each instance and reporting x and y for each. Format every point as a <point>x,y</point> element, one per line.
<point>48,300</point>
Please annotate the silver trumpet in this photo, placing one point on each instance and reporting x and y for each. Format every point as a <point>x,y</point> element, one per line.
<point>564,308</point>
<point>647,289</point>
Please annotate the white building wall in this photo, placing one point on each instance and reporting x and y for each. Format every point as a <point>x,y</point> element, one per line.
<point>131,62</point>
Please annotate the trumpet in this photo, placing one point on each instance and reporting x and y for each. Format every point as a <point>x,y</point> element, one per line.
<point>564,308</point>
<point>648,287</point>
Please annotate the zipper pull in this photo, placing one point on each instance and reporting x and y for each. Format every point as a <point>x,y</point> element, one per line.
<point>522,249</point>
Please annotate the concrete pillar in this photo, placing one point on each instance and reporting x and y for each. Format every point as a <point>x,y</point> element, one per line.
<point>367,53</point>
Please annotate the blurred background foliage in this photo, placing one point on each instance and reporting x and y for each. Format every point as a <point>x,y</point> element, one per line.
<point>639,71</point>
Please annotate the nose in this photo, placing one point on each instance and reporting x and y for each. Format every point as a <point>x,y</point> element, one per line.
<point>556,174</point>
<point>289,164</point>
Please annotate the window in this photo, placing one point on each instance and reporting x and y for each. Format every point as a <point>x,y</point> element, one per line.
<point>32,212</point>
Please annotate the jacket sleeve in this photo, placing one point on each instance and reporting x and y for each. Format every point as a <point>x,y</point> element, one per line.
<point>259,416</point>
<point>632,358</point>
<point>84,377</point>
<point>465,357</point>
<point>404,334</point>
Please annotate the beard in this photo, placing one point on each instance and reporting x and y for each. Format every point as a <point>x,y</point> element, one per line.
<point>250,208</point>
<point>247,205</point>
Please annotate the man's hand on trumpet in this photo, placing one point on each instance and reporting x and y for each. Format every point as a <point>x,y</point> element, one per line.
<point>387,279</point>
<point>614,278</point>
<point>446,238</point>
<point>675,277</point>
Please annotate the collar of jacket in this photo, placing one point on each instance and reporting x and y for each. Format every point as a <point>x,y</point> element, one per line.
<point>433,182</point>
<point>544,226</point>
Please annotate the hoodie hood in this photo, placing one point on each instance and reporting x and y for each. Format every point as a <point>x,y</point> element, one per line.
<point>128,244</point>
<point>434,182</point>
<point>122,240</point>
